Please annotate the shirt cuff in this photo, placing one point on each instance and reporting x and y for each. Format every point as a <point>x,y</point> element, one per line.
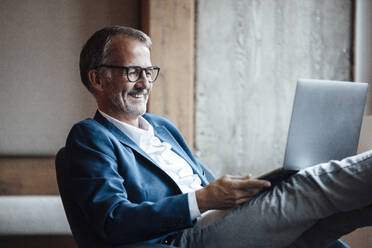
<point>193,206</point>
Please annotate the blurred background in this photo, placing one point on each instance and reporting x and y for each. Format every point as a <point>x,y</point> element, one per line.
<point>228,76</point>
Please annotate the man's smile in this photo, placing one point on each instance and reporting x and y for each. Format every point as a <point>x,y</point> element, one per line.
<point>138,95</point>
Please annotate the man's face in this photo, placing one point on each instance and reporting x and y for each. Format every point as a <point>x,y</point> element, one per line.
<point>119,97</point>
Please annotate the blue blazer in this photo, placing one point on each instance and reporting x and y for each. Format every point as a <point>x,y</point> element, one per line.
<point>118,194</point>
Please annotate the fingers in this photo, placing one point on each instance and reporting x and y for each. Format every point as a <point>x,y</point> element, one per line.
<point>229,191</point>
<point>248,183</point>
<point>241,182</point>
<point>246,194</point>
<point>239,197</point>
<point>244,188</point>
<point>240,177</point>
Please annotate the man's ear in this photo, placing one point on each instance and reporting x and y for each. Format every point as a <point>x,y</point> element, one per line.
<point>95,80</point>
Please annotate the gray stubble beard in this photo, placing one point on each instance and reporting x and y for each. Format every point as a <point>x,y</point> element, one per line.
<point>125,107</point>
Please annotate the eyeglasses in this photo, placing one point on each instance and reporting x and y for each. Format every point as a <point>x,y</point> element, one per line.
<point>134,73</point>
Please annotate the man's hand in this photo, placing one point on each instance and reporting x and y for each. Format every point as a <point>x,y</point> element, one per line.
<point>228,192</point>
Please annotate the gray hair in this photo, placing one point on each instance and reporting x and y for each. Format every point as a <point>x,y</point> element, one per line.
<point>96,49</point>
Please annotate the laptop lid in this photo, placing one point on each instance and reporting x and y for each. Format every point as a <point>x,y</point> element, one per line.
<point>325,122</point>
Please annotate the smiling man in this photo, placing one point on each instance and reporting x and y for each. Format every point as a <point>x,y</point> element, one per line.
<point>126,176</point>
<point>122,91</point>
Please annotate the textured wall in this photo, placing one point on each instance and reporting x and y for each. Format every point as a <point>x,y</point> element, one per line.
<point>249,56</point>
<point>41,95</point>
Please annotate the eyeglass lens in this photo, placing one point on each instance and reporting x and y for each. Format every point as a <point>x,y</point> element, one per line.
<point>134,73</point>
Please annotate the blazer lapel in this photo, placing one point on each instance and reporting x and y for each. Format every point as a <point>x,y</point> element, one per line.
<point>122,137</point>
<point>160,132</point>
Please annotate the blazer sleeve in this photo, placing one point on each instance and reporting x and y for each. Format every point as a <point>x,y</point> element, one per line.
<point>97,187</point>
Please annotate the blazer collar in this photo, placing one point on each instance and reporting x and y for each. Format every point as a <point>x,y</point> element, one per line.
<point>114,130</point>
<point>159,131</point>
<point>122,137</point>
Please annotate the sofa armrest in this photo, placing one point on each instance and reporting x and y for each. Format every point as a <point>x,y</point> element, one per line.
<point>32,215</point>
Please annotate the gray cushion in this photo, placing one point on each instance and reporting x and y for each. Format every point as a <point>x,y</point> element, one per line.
<point>32,215</point>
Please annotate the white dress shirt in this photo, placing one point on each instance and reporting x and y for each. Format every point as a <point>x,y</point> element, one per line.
<point>170,162</point>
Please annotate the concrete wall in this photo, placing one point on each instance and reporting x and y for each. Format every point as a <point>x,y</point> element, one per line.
<point>249,56</point>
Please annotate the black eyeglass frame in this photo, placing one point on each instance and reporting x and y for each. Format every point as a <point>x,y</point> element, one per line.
<point>127,68</point>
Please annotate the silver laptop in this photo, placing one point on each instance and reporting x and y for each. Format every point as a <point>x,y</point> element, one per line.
<point>325,125</point>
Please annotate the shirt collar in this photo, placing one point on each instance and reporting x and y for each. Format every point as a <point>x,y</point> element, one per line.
<point>139,135</point>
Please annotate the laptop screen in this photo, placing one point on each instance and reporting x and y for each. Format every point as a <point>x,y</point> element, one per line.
<point>325,122</point>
